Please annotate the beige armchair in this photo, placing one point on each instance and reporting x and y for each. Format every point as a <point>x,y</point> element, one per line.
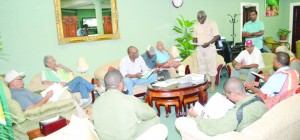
<point>24,121</point>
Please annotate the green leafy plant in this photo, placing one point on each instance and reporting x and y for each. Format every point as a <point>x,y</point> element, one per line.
<point>185,29</point>
<point>283,32</point>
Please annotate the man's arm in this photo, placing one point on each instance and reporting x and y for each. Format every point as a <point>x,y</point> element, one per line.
<point>249,66</point>
<point>217,37</point>
<point>64,67</point>
<point>43,101</point>
<point>257,34</point>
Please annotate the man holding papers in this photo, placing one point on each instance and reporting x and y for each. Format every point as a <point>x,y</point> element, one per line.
<point>247,109</point>
<point>27,99</point>
<point>133,67</point>
<point>248,61</point>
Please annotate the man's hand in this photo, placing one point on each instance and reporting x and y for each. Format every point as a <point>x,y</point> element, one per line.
<point>266,76</point>
<point>238,66</point>
<point>205,45</point>
<point>192,112</point>
<point>63,84</point>
<point>60,66</point>
<point>49,94</point>
<point>138,75</point>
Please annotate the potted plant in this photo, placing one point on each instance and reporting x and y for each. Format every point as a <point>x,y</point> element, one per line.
<point>185,29</point>
<point>283,33</point>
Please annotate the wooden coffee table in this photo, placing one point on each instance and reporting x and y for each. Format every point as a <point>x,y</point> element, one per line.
<point>177,90</point>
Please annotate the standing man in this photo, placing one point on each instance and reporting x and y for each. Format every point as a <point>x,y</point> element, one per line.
<point>249,60</point>
<point>206,33</point>
<point>254,30</point>
<point>132,67</point>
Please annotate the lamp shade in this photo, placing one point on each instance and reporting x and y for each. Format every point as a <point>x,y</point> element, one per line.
<point>82,65</point>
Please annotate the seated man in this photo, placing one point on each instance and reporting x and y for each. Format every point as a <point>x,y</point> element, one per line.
<point>283,80</point>
<point>164,59</point>
<point>247,109</point>
<point>150,57</point>
<point>29,100</point>
<point>294,62</point>
<point>118,116</point>
<point>58,73</point>
<point>132,67</point>
<point>249,60</point>
<point>26,98</point>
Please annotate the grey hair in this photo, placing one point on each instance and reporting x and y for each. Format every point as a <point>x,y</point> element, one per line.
<point>201,13</point>
<point>234,85</point>
<point>112,79</point>
<point>46,58</point>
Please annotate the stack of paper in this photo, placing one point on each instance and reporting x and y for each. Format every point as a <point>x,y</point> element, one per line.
<point>216,107</point>
<point>57,91</point>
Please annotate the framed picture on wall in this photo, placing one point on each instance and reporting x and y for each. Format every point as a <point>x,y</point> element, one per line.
<point>272,8</point>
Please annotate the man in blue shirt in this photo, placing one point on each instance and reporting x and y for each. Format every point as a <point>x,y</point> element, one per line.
<point>254,30</point>
<point>150,57</point>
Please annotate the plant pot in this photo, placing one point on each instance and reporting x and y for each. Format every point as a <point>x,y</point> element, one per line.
<point>283,37</point>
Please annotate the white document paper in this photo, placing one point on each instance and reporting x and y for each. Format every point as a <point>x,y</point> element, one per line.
<point>50,120</point>
<point>259,75</point>
<point>216,107</point>
<point>147,74</point>
<point>57,91</point>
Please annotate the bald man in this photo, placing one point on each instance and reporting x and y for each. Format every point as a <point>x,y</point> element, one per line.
<point>118,116</point>
<point>247,109</point>
<point>206,33</point>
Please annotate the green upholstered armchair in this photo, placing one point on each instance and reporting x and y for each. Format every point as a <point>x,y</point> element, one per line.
<point>268,61</point>
<point>24,121</point>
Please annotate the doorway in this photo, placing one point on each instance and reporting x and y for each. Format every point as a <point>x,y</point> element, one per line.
<point>245,9</point>
<point>294,25</point>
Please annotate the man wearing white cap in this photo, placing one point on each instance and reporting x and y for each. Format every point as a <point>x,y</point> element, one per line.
<point>27,99</point>
<point>249,60</point>
<point>150,57</point>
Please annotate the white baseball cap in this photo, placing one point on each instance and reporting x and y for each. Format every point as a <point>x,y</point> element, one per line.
<point>151,49</point>
<point>12,74</point>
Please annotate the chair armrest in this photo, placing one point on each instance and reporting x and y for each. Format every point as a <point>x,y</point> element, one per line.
<point>50,108</point>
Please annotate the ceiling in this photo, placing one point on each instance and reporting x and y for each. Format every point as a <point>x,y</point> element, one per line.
<point>83,4</point>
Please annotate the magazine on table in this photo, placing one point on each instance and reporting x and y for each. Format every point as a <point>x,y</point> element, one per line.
<point>216,107</point>
<point>57,89</point>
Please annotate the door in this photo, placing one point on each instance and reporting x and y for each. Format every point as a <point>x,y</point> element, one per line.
<point>69,26</point>
<point>296,27</point>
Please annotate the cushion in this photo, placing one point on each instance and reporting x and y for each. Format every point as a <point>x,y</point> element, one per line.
<point>35,84</point>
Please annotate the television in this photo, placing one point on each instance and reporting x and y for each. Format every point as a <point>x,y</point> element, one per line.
<point>91,22</point>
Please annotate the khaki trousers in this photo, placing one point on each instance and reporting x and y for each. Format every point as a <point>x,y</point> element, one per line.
<point>207,60</point>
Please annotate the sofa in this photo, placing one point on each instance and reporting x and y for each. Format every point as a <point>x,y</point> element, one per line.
<point>268,61</point>
<point>24,121</point>
<point>282,122</point>
<point>191,61</point>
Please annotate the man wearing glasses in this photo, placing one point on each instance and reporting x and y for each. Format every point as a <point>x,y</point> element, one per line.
<point>249,60</point>
<point>206,33</point>
<point>26,98</point>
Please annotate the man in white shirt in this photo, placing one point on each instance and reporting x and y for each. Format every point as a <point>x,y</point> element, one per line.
<point>249,60</point>
<point>132,67</point>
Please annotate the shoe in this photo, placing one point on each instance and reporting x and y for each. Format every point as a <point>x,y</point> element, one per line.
<point>85,102</point>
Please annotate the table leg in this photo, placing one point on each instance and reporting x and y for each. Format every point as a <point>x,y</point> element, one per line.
<point>180,105</point>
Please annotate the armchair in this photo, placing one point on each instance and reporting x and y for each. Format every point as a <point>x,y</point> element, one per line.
<point>24,121</point>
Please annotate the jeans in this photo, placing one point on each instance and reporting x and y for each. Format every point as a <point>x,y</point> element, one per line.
<point>79,84</point>
<point>131,82</point>
<point>250,76</point>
